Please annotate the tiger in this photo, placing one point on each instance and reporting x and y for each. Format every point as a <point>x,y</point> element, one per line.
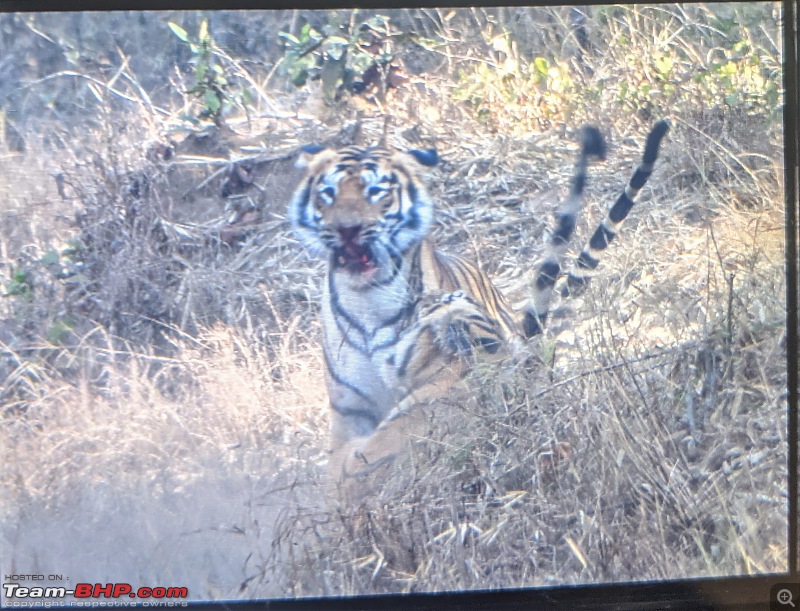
<point>403,322</point>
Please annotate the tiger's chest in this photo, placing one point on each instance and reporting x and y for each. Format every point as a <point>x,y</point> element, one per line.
<point>361,328</point>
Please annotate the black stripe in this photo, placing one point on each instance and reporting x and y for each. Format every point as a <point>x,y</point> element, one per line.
<point>548,273</point>
<point>602,238</point>
<point>487,326</point>
<point>360,413</point>
<point>489,344</point>
<point>427,157</point>
<point>414,278</point>
<point>532,325</point>
<point>342,382</point>
<point>587,261</point>
<point>401,369</point>
<point>365,348</point>
<point>384,345</point>
<point>405,312</point>
<point>658,132</point>
<point>574,281</point>
<point>563,232</point>
<point>579,184</point>
<point>353,322</point>
<point>337,307</point>
<point>594,145</point>
<point>362,348</point>
<point>457,338</point>
<point>428,364</point>
<point>412,221</point>
<point>640,177</point>
<point>303,221</point>
<point>620,208</point>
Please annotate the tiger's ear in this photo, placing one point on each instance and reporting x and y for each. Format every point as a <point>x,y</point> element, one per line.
<point>427,158</point>
<point>307,153</point>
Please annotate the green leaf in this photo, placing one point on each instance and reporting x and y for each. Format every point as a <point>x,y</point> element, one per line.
<point>299,76</point>
<point>58,331</point>
<point>337,40</point>
<point>204,30</point>
<point>741,46</point>
<point>74,247</point>
<point>664,65</point>
<point>50,258</point>
<point>541,65</point>
<point>290,37</point>
<point>178,31</point>
<point>212,102</point>
<point>729,69</point>
<point>335,52</point>
<point>19,285</point>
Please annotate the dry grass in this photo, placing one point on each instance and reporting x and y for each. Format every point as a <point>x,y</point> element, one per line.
<point>164,414</point>
<point>175,464</point>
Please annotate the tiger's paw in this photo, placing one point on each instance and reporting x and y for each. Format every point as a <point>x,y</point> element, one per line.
<point>460,326</point>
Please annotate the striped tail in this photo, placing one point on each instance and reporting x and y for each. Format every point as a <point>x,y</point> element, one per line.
<point>606,231</point>
<point>592,146</point>
<point>577,279</point>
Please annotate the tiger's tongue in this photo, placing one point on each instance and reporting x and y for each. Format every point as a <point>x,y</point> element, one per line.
<point>358,259</point>
<point>355,252</point>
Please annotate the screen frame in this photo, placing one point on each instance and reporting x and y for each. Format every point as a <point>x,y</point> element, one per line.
<point>744,592</point>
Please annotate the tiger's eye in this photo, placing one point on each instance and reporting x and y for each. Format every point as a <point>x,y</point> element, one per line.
<point>327,195</point>
<point>376,194</point>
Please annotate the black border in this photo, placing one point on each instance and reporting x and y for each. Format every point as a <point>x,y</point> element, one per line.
<point>746,593</point>
<point>791,140</point>
<point>743,593</point>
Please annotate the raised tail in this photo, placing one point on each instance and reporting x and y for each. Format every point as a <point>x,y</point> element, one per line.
<point>592,146</point>
<point>606,231</point>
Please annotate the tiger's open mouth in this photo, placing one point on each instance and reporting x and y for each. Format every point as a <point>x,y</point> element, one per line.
<point>355,258</point>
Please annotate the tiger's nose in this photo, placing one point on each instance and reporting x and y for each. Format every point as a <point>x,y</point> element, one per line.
<point>349,233</point>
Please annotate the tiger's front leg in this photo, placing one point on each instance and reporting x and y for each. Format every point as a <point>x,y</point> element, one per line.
<point>451,334</point>
<point>426,372</point>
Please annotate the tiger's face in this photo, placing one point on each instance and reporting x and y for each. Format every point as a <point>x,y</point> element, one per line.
<point>363,207</point>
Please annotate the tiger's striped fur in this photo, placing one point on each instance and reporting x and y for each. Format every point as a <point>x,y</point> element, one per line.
<point>402,322</point>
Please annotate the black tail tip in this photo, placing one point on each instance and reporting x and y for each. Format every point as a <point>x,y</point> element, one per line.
<point>661,128</point>
<point>657,134</point>
<point>428,157</point>
<point>532,324</point>
<point>593,143</point>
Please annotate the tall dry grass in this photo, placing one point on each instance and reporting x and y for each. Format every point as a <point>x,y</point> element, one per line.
<point>164,414</point>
